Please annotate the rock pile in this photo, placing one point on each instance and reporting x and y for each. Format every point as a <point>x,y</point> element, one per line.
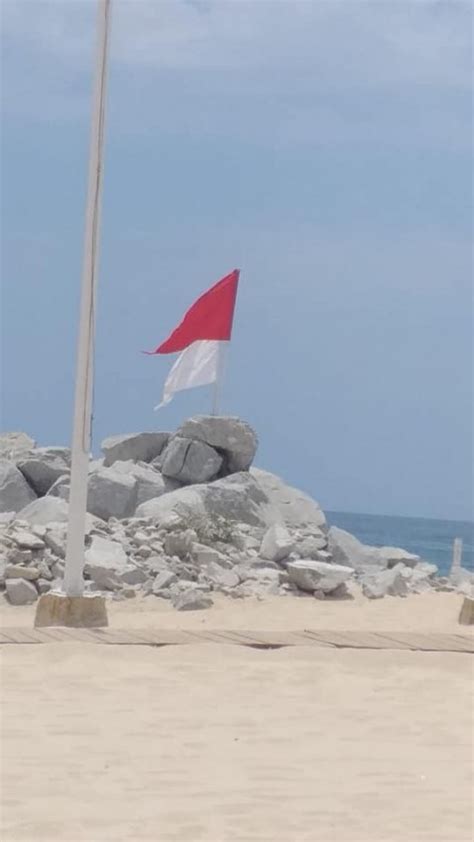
<point>181,516</point>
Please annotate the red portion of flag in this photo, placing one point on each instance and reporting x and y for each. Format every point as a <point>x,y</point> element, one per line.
<point>210,317</point>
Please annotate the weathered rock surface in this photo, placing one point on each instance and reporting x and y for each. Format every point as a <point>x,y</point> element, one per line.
<point>14,445</point>
<point>15,492</point>
<point>291,506</point>
<point>312,546</point>
<point>391,582</point>
<point>277,543</point>
<point>111,493</point>
<point>318,575</point>
<point>139,447</point>
<point>347,549</point>
<point>191,600</point>
<point>190,461</point>
<point>105,561</point>
<point>27,540</point>
<point>233,438</point>
<point>45,510</point>
<point>43,466</point>
<point>20,592</point>
<point>19,571</point>
<point>150,482</point>
<point>237,498</point>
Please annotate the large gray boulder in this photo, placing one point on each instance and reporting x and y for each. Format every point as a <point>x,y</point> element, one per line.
<point>111,493</point>
<point>238,497</point>
<point>190,462</point>
<point>54,512</point>
<point>292,506</point>
<point>150,482</point>
<point>318,575</point>
<point>347,549</point>
<point>15,445</point>
<point>233,438</point>
<point>45,510</point>
<point>15,492</point>
<point>43,466</point>
<point>139,447</point>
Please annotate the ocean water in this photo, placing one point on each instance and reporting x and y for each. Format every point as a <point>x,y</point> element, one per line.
<point>430,539</point>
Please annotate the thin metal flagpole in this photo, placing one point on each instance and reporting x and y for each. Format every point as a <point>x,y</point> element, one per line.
<point>217,391</point>
<point>73,575</point>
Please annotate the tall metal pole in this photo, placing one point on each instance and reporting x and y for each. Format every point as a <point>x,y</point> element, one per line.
<point>81,443</point>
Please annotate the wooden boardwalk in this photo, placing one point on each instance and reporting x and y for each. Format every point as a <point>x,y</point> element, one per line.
<point>415,641</point>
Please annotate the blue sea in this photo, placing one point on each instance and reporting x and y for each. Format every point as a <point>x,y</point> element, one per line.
<point>430,539</point>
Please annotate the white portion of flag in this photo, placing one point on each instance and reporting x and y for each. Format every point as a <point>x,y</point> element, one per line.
<point>197,365</point>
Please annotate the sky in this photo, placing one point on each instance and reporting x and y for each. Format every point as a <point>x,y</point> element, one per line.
<point>324,148</point>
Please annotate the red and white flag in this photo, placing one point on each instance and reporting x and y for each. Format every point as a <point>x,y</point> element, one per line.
<point>204,330</point>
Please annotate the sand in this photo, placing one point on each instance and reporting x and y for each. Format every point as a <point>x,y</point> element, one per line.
<point>227,744</point>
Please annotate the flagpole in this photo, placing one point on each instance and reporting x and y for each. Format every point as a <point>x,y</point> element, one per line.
<point>73,584</point>
<point>217,391</point>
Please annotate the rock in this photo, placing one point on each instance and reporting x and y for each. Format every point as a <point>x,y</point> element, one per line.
<point>156,564</point>
<point>233,438</point>
<point>45,510</point>
<point>26,540</point>
<point>347,549</point>
<point>139,447</point>
<point>133,576</point>
<point>43,466</point>
<point>391,556</point>
<point>190,461</point>
<point>235,498</point>
<point>277,543</point>
<point>164,580</point>
<point>312,546</point>
<point>107,554</point>
<point>318,575</point>
<point>17,571</point>
<point>14,445</point>
<point>111,494</point>
<point>219,576</point>
<point>44,571</point>
<point>423,572</point>
<point>43,586</point>
<point>61,487</point>
<point>290,506</point>
<point>179,543</point>
<point>191,600</point>
<point>208,555</point>
<point>56,538</point>
<point>150,483</point>
<point>16,556</point>
<point>20,592</point>
<point>378,584</point>
<point>15,493</point>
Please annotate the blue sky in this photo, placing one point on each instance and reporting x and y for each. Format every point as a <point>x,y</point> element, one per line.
<point>322,147</point>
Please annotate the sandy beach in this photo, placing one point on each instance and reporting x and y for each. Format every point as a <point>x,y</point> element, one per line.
<point>227,744</point>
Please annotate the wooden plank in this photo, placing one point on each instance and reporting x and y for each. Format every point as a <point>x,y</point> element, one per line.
<point>415,641</point>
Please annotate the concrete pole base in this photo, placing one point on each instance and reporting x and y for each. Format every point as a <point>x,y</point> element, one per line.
<point>466,616</point>
<point>77,612</point>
